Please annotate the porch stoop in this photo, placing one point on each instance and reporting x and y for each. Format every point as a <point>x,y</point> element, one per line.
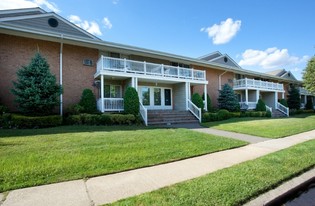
<point>167,117</point>
<point>276,113</point>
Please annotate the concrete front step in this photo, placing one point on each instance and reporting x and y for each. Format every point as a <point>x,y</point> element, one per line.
<point>277,113</point>
<point>167,117</point>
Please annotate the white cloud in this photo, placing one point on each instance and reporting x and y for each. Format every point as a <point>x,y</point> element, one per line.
<point>90,26</point>
<point>107,23</point>
<point>270,58</point>
<point>18,4</point>
<point>223,32</point>
<point>115,1</point>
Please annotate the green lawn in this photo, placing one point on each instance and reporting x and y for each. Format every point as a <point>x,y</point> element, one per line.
<point>235,185</point>
<point>41,156</point>
<point>271,128</point>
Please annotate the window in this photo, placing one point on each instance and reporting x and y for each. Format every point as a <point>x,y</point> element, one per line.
<point>145,92</point>
<point>112,91</point>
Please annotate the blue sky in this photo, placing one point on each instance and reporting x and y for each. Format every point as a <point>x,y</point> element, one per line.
<point>259,35</point>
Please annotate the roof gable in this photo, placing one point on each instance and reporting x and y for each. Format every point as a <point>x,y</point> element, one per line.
<point>35,19</point>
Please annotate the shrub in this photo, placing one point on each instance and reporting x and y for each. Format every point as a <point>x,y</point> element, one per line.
<point>3,109</point>
<point>101,119</point>
<point>74,109</point>
<point>122,119</point>
<point>228,100</point>
<point>209,117</point>
<point>260,106</point>
<point>88,101</point>
<point>223,114</point>
<point>131,101</point>
<point>197,100</point>
<point>283,102</point>
<point>268,114</point>
<point>309,104</point>
<point>209,103</point>
<point>5,120</point>
<point>27,122</point>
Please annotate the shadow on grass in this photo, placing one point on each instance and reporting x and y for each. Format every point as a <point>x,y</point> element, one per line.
<point>70,129</point>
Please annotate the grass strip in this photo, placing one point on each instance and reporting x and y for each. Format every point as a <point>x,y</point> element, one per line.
<point>270,128</point>
<point>42,156</point>
<point>235,185</point>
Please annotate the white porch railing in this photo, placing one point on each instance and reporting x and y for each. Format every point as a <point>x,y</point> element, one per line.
<point>268,108</point>
<point>258,84</point>
<point>144,114</point>
<point>194,110</point>
<point>148,69</point>
<point>283,109</point>
<point>304,91</point>
<point>251,105</point>
<point>111,104</point>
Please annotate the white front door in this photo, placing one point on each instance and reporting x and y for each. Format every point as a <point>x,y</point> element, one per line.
<point>155,97</point>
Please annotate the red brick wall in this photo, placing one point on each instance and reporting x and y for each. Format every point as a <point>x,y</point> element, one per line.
<point>18,51</point>
<point>212,75</point>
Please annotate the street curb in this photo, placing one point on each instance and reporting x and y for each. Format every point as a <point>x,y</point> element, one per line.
<point>273,197</point>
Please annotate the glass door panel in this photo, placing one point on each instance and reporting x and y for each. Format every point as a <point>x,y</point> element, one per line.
<point>167,97</point>
<point>157,96</point>
<point>145,92</point>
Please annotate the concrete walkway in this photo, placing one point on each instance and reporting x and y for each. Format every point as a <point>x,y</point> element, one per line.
<point>110,188</point>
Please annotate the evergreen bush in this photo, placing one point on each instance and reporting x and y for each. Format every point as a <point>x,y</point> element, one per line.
<point>209,103</point>
<point>36,90</point>
<point>294,98</point>
<point>87,102</point>
<point>131,101</point>
<point>261,106</point>
<point>223,114</point>
<point>197,100</point>
<point>283,102</point>
<point>227,99</point>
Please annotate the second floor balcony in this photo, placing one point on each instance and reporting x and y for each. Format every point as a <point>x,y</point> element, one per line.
<point>109,64</point>
<point>257,84</point>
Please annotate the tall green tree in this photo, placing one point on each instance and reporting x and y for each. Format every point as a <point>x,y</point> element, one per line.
<point>228,99</point>
<point>131,101</point>
<point>209,103</point>
<point>309,76</point>
<point>88,101</point>
<point>294,100</point>
<point>36,91</point>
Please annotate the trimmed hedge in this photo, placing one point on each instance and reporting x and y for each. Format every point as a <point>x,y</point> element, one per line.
<point>101,119</point>
<point>88,101</point>
<point>197,100</point>
<point>224,114</point>
<point>260,106</point>
<point>26,122</point>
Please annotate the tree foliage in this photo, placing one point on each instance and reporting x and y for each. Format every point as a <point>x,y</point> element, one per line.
<point>197,100</point>
<point>309,76</point>
<point>228,99</point>
<point>283,102</point>
<point>36,90</point>
<point>209,103</point>
<point>294,100</point>
<point>260,106</point>
<point>88,101</point>
<point>309,104</point>
<point>131,101</point>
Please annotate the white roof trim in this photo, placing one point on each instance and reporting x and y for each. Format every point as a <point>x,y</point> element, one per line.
<point>8,19</point>
<point>210,54</point>
<point>11,11</point>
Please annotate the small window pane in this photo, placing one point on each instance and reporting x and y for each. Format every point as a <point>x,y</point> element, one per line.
<point>145,91</point>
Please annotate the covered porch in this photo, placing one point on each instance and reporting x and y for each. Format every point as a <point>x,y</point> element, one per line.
<point>158,90</point>
<point>306,96</point>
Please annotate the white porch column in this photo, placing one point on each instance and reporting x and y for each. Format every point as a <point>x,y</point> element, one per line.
<point>305,99</point>
<point>257,95</point>
<point>282,95</point>
<point>134,83</point>
<point>246,96</point>
<point>276,99</point>
<point>187,91</point>
<point>102,93</point>
<point>206,101</point>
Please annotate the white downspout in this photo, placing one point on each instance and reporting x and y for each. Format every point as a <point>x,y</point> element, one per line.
<point>60,73</point>
<point>220,79</point>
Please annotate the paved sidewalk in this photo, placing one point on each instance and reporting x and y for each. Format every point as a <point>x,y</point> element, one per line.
<point>233,135</point>
<point>110,188</point>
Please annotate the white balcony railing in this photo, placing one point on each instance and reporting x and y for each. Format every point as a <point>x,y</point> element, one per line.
<point>252,83</point>
<point>148,69</point>
<point>194,110</point>
<point>111,104</point>
<point>250,105</point>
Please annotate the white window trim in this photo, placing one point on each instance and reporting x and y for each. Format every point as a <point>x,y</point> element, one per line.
<point>152,106</point>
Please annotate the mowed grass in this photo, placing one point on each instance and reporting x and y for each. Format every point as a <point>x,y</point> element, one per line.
<point>271,128</point>
<point>41,156</point>
<point>235,185</point>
